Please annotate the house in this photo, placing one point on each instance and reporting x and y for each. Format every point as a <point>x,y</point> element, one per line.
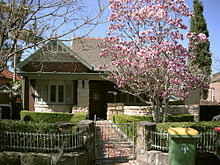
<point>6,93</point>
<point>58,78</point>
<point>214,91</point>
<point>211,106</point>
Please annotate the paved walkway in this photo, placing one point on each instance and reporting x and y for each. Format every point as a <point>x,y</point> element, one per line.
<point>112,146</point>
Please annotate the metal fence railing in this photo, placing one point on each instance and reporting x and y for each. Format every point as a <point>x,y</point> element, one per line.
<point>159,141</point>
<point>40,142</point>
<point>206,143</point>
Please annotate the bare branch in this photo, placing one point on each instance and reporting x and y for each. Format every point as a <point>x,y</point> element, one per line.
<point>31,23</point>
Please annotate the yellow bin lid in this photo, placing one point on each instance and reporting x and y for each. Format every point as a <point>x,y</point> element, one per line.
<point>183,131</point>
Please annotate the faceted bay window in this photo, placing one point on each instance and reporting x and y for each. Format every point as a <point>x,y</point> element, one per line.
<point>59,92</point>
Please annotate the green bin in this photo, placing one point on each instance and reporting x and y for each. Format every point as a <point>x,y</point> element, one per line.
<point>182,146</point>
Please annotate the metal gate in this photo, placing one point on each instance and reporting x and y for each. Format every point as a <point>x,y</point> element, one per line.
<point>114,143</point>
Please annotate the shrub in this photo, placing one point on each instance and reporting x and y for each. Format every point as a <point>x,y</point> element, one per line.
<point>23,126</point>
<point>77,117</point>
<point>52,117</point>
<point>122,118</point>
<point>45,117</point>
<point>204,126</point>
<point>180,118</point>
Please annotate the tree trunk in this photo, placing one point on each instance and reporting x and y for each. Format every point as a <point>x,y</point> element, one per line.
<point>153,111</point>
<point>165,110</point>
<point>157,109</point>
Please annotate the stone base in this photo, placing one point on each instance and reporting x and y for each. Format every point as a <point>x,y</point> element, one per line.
<point>152,157</point>
<point>18,158</point>
<point>78,109</point>
<point>53,108</point>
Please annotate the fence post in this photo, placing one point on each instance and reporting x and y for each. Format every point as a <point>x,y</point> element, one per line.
<point>143,134</point>
<point>143,141</point>
<point>217,129</point>
<point>66,128</point>
<point>88,129</point>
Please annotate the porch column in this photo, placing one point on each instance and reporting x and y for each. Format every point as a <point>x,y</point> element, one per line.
<point>0,112</point>
<point>83,95</point>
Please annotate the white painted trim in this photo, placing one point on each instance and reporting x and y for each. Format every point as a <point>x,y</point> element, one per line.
<point>5,105</point>
<point>49,83</point>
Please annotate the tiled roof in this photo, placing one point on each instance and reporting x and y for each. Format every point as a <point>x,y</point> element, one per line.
<point>88,50</point>
<point>216,77</point>
<point>8,74</point>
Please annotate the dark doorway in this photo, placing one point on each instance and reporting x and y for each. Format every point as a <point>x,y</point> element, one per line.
<point>6,112</point>
<point>98,101</point>
<point>207,112</point>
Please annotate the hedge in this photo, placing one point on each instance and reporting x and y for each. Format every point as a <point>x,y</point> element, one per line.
<point>52,117</point>
<point>180,118</point>
<point>123,118</point>
<point>203,126</point>
<point>23,126</point>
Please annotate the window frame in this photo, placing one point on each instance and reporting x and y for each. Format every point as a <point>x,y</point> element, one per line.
<point>212,94</point>
<point>65,85</point>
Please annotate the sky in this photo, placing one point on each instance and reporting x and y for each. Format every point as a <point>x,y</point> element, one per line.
<point>211,14</point>
<point>212,17</point>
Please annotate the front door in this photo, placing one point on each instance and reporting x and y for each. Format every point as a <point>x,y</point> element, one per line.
<point>98,101</point>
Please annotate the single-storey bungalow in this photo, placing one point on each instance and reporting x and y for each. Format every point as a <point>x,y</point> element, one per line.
<point>58,78</point>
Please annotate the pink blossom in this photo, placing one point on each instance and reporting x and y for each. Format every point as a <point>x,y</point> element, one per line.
<point>144,49</point>
<point>202,36</point>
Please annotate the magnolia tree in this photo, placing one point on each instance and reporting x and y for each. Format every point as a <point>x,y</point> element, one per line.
<point>146,54</point>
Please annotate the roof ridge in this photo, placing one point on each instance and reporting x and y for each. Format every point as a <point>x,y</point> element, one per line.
<point>93,38</point>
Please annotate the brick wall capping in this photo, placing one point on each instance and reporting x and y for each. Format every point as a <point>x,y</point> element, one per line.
<point>146,123</point>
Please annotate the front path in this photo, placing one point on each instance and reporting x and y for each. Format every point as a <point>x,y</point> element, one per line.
<point>111,146</point>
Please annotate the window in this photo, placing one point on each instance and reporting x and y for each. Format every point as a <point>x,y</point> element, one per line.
<point>42,93</point>
<point>57,93</point>
<point>60,92</point>
<point>213,94</point>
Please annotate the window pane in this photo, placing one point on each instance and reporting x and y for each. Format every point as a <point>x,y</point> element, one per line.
<point>45,93</point>
<point>53,93</point>
<point>213,94</point>
<point>39,94</point>
<point>69,92</point>
<point>60,93</point>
